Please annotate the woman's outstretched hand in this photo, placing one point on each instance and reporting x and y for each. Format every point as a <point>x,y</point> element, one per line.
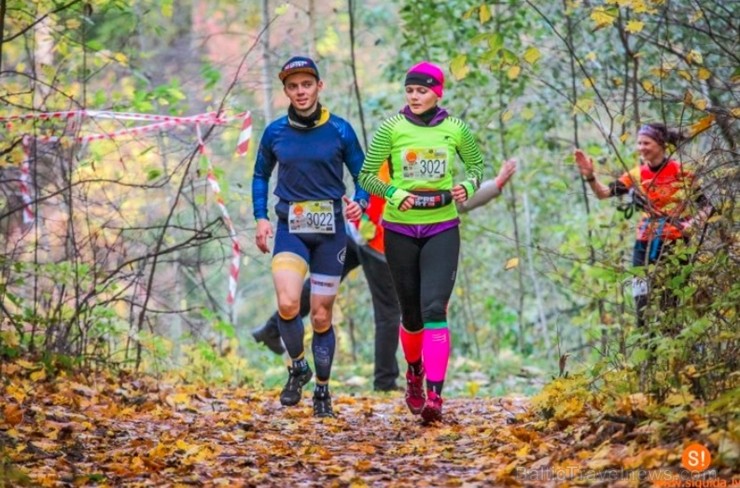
<point>585,164</point>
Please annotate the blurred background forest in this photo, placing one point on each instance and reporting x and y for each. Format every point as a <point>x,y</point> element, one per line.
<point>126,260</point>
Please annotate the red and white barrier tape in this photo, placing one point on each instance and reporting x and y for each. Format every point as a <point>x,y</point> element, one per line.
<point>235,248</point>
<point>106,114</point>
<point>25,181</point>
<point>160,122</point>
<point>242,145</point>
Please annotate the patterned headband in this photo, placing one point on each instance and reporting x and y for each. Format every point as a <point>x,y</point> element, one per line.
<point>655,134</point>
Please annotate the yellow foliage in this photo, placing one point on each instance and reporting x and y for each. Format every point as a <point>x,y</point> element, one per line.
<point>583,105</point>
<point>459,67</point>
<point>640,7</point>
<point>513,72</point>
<point>564,399</point>
<point>511,263</point>
<point>694,57</point>
<point>686,75</point>
<point>602,17</point>
<point>531,55</point>
<point>121,58</point>
<point>701,104</point>
<point>634,26</point>
<point>485,14</point>
<point>704,74</point>
<point>701,125</point>
<point>329,42</point>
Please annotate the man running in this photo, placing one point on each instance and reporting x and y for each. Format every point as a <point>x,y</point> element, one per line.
<point>311,146</point>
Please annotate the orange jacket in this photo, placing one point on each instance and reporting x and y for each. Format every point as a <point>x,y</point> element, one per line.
<point>668,192</point>
<point>372,228</point>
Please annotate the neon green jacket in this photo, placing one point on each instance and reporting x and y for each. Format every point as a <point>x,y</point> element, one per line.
<point>420,159</point>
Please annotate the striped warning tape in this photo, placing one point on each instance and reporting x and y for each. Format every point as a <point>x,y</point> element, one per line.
<point>160,122</point>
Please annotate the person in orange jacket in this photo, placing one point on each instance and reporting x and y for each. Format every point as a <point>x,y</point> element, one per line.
<point>672,203</point>
<point>365,248</point>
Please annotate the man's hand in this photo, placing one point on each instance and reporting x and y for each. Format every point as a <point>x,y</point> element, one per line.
<point>353,211</point>
<point>505,173</point>
<point>459,193</point>
<point>264,231</point>
<point>585,164</point>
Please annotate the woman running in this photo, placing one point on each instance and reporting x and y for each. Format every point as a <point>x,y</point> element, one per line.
<point>422,238</point>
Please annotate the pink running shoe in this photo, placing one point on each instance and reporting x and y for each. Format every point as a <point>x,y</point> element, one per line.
<point>415,391</point>
<point>432,411</point>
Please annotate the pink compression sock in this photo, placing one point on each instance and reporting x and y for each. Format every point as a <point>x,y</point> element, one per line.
<point>437,348</point>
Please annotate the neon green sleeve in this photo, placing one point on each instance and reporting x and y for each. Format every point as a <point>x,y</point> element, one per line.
<point>471,157</point>
<point>377,153</point>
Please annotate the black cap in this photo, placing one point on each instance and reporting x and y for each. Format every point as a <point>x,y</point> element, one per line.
<point>299,64</point>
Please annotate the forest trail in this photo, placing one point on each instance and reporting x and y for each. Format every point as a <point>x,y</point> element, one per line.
<point>101,430</point>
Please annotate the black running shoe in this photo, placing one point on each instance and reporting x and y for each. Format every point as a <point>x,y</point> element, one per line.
<point>269,335</point>
<point>291,393</point>
<point>322,404</point>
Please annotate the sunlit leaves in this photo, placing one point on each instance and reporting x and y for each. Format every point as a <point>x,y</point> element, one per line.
<point>634,26</point>
<point>701,125</point>
<point>531,55</point>
<point>329,42</point>
<point>603,17</point>
<point>583,105</point>
<point>701,103</point>
<point>694,57</point>
<point>703,74</point>
<point>166,8</point>
<point>459,66</point>
<point>485,14</point>
<point>483,11</point>
<point>511,263</point>
<point>121,58</point>
<point>685,74</point>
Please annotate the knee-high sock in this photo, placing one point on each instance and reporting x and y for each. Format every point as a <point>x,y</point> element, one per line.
<point>436,353</point>
<point>291,332</point>
<point>412,343</point>
<point>323,346</point>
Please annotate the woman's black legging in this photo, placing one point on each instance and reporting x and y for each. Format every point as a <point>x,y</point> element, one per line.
<point>423,271</point>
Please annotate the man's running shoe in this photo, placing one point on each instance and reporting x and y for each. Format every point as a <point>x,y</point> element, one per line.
<point>322,403</point>
<point>269,335</point>
<point>415,391</point>
<point>291,393</point>
<point>432,411</point>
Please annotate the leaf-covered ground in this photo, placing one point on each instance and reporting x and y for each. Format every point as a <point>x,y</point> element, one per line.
<point>100,430</point>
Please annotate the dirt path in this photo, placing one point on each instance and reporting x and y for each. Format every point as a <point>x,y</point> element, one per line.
<point>141,433</point>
